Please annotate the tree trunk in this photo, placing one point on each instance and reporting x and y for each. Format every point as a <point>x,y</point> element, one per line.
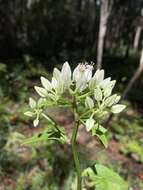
<point>137,37</point>
<point>136,75</point>
<point>104,13</point>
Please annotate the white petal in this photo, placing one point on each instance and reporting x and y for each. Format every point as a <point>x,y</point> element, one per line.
<point>89,124</point>
<point>99,76</point>
<point>89,103</point>
<point>76,73</point>
<point>103,84</point>
<point>66,74</point>
<point>56,74</point>
<point>117,99</point>
<point>41,91</point>
<point>54,83</point>
<point>46,83</point>
<point>118,108</point>
<point>88,74</point>
<point>36,122</point>
<point>98,94</point>
<point>32,103</point>
<point>110,100</point>
<point>96,79</point>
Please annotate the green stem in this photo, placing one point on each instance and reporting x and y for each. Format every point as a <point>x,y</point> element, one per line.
<point>75,155</point>
<point>73,143</point>
<point>51,120</point>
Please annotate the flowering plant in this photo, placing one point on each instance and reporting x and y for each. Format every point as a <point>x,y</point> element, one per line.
<point>91,92</point>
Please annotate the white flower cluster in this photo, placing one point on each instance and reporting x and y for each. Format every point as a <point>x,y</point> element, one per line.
<point>102,96</point>
<point>96,90</point>
<point>63,79</point>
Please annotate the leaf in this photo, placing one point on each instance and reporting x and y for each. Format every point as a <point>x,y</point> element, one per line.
<point>89,124</point>
<point>29,114</point>
<point>108,179</point>
<point>104,178</point>
<point>98,94</point>
<point>89,103</point>
<point>32,103</point>
<point>51,134</point>
<point>41,91</point>
<point>102,129</point>
<point>102,137</point>
<point>118,108</point>
<point>100,132</point>
<point>46,83</point>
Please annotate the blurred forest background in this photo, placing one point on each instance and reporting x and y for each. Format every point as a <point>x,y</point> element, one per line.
<point>36,36</point>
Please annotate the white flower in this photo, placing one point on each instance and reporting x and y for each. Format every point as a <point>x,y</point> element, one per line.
<point>62,78</point>
<point>89,102</point>
<point>89,124</point>
<point>118,108</point>
<point>32,103</point>
<point>57,85</point>
<point>56,74</point>
<point>66,74</point>
<point>81,75</point>
<point>46,83</point>
<point>96,79</point>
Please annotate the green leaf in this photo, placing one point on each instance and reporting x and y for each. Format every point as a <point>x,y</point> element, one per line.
<point>98,94</point>
<point>107,179</point>
<point>29,113</point>
<point>51,134</point>
<point>102,137</point>
<point>118,108</point>
<point>104,178</point>
<point>100,132</point>
<point>41,91</point>
<point>102,129</point>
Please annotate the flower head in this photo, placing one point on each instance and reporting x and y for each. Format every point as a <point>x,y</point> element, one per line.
<point>81,75</point>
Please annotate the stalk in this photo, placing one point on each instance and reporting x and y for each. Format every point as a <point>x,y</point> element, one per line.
<point>74,149</point>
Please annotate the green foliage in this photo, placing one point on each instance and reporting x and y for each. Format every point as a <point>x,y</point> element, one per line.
<point>132,146</point>
<point>48,135</point>
<point>104,178</point>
